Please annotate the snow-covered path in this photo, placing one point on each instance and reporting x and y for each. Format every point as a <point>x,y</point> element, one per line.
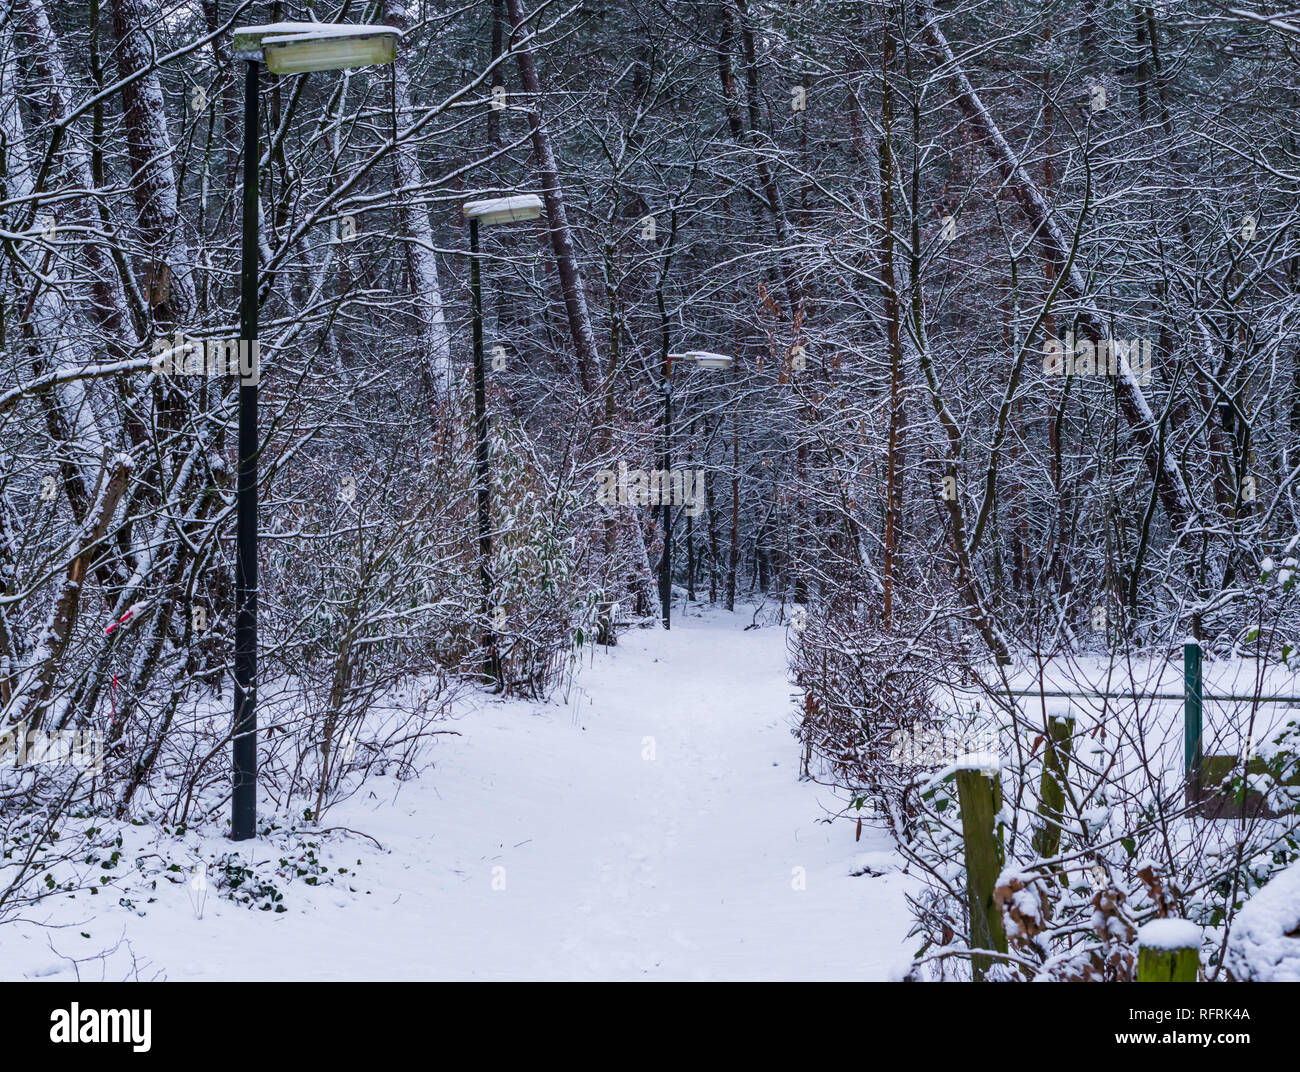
<point>654,828</point>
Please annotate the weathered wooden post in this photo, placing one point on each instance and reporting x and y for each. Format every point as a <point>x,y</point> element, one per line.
<point>979,791</point>
<point>1169,951</point>
<point>606,630</point>
<point>1051,791</point>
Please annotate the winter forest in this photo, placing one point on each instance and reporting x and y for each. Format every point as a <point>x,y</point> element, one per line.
<point>637,489</point>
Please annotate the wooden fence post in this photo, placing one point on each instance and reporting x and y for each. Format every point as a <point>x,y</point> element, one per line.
<point>1169,951</point>
<point>1051,791</point>
<point>980,795</point>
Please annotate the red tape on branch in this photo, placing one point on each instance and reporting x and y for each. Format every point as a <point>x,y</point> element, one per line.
<point>119,622</point>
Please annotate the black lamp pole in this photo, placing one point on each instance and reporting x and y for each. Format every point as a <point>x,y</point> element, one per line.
<point>243,801</point>
<point>665,499</point>
<point>490,667</point>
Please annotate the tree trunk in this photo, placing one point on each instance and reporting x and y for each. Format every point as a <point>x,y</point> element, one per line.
<point>1162,463</point>
<point>566,263</point>
<point>434,340</point>
<point>893,316</point>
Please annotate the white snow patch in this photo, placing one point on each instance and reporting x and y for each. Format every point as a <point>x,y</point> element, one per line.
<point>1264,945</point>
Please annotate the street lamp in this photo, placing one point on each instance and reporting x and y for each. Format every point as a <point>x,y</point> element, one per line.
<point>493,211</point>
<point>285,48</point>
<point>705,360</point>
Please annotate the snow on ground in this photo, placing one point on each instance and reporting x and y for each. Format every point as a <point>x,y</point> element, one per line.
<point>652,827</point>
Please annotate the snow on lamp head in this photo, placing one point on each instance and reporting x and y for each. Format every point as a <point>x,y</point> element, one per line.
<point>504,209</point>
<point>705,360</point>
<point>300,47</point>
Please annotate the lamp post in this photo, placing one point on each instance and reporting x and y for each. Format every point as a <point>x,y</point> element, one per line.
<point>285,48</point>
<point>487,213</point>
<point>705,360</point>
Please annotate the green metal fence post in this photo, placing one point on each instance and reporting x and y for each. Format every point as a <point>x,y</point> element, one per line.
<point>1192,710</point>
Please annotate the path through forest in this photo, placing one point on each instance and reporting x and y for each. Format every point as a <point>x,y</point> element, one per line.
<point>652,828</point>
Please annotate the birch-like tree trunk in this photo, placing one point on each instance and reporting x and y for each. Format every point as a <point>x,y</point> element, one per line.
<point>434,340</point>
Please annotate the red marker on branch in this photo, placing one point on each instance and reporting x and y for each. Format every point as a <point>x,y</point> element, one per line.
<point>133,608</point>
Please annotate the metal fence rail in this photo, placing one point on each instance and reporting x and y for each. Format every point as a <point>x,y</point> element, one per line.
<point>1193,697</point>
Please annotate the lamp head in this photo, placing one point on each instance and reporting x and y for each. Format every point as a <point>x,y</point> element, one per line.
<point>504,209</point>
<point>705,360</point>
<point>299,47</point>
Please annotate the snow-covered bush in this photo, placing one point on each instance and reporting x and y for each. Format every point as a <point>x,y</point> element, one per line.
<point>544,601</point>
